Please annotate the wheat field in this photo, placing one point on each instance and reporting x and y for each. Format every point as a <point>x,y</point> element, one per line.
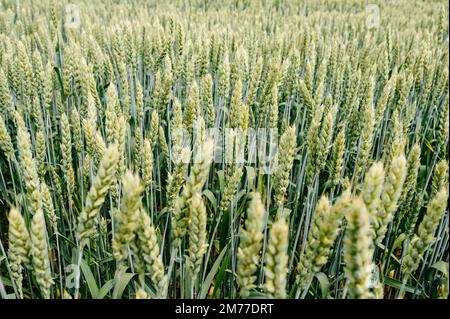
<point>224,149</point>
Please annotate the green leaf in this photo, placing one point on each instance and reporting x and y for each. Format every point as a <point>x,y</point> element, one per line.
<point>106,260</point>
<point>6,281</point>
<point>398,284</point>
<point>67,240</point>
<point>441,266</point>
<point>187,291</point>
<point>251,177</point>
<point>257,295</point>
<point>225,226</point>
<point>240,194</point>
<point>221,274</point>
<point>428,144</point>
<point>90,280</point>
<point>324,284</point>
<point>208,280</point>
<point>121,282</point>
<point>210,196</point>
<point>61,84</point>
<point>161,214</point>
<point>105,289</point>
<point>220,175</point>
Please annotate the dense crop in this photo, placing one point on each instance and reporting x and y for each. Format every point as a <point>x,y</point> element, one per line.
<point>224,149</point>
